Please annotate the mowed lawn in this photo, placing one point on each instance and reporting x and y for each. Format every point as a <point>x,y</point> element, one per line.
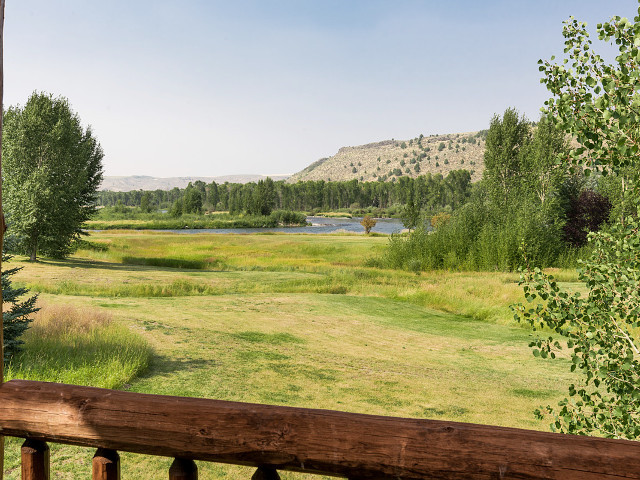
<point>301,320</point>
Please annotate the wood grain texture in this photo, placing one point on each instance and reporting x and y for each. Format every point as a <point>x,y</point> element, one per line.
<point>105,465</point>
<point>34,456</point>
<point>315,441</point>
<point>183,469</point>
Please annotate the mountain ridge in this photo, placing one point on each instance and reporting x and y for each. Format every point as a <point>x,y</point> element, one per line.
<point>147,182</point>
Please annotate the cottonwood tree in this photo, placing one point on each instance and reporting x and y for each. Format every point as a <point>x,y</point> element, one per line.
<point>52,167</point>
<point>597,103</point>
<point>507,136</point>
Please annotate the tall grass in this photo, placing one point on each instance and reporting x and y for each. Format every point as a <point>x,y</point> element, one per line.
<point>480,238</point>
<point>66,344</point>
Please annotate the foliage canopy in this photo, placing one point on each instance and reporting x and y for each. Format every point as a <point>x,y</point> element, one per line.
<point>52,169</point>
<point>598,104</point>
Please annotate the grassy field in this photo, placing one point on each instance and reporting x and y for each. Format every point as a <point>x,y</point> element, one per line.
<point>297,320</point>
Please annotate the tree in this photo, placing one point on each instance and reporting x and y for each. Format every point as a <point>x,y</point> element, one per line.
<point>598,104</point>
<point>263,198</point>
<point>176,208</point>
<point>539,167</point>
<point>16,318</point>
<point>507,136</point>
<point>52,170</point>
<point>145,202</point>
<point>411,212</point>
<point>368,222</point>
<point>192,200</point>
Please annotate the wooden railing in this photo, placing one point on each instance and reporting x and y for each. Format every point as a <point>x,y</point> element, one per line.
<point>274,438</point>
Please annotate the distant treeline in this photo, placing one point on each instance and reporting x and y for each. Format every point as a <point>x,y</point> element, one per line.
<point>432,193</point>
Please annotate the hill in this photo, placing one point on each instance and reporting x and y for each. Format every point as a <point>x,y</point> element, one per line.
<point>141,182</point>
<point>391,159</point>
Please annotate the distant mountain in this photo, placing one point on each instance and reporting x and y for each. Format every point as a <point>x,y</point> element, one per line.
<point>391,159</point>
<point>141,182</point>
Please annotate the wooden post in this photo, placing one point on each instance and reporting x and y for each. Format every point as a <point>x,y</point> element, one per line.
<point>106,465</point>
<point>2,225</point>
<point>266,473</point>
<point>183,469</point>
<point>35,460</point>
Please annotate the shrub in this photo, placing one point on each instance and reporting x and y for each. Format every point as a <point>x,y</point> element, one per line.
<point>586,214</point>
<point>368,223</point>
<point>440,219</point>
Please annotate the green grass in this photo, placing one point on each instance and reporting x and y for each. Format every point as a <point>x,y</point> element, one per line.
<point>299,320</point>
<point>132,220</point>
<point>81,347</point>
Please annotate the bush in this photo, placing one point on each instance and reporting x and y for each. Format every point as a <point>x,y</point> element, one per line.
<point>586,214</point>
<point>288,217</point>
<point>440,219</point>
<point>368,223</point>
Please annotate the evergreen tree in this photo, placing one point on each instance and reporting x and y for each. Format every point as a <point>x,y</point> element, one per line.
<point>17,311</point>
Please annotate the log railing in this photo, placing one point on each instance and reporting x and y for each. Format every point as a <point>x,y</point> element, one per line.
<point>274,438</point>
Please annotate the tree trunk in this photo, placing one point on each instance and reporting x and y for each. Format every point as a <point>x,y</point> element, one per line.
<point>32,258</point>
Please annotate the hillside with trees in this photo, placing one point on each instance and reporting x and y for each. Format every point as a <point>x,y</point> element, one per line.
<point>392,159</point>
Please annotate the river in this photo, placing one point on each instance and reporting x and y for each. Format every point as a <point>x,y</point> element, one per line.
<point>318,225</point>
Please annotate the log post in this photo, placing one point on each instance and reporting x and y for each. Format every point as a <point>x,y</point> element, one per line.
<point>106,465</point>
<point>266,473</point>
<point>35,460</point>
<point>2,225</point>
<point>183,469</point>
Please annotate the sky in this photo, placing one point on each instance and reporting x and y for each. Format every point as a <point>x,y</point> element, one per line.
<point>209,88</point>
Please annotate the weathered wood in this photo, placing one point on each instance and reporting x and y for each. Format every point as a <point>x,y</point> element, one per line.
<point>105,465</point>
<point>35,460</point>
<point>315,441</point>
<point>2,224</point>
<point>265,473</point>
<point>183,469</point>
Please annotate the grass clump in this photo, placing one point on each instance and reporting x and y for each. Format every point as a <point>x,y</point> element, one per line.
<point>66,344</point>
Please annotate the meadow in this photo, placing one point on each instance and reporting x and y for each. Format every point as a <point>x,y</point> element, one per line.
<point>298,320</point>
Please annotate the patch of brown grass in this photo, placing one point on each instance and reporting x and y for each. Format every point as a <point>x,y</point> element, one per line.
<point>58,320</point>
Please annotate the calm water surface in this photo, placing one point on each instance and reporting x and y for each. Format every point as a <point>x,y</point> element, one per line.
<point>318,225</point>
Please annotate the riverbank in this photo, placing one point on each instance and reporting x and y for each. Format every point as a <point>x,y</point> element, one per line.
<point>162,221</point>
<point>312,225</point>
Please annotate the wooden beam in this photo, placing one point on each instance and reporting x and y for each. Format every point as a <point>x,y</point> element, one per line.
<point>308,440</point>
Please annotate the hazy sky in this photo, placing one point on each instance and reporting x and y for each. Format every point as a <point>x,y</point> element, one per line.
<point>207,87</point>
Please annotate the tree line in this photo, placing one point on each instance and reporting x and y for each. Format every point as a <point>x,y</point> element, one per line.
<point>432,193</point>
